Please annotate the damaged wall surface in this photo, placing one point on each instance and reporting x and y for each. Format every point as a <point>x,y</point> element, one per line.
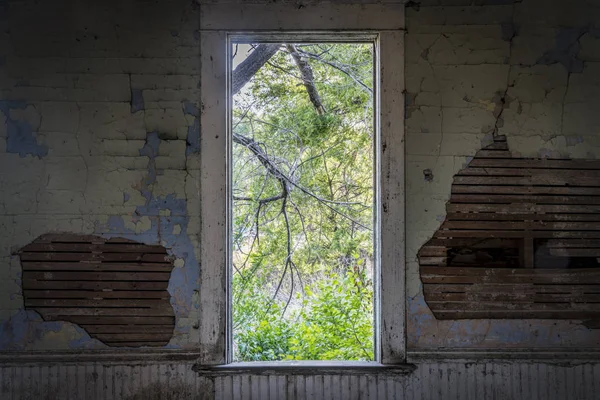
<point>474,69</point>
<point>100,135</point>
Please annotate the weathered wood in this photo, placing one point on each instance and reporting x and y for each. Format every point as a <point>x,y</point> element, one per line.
<point>528,288</point>
<point>591,252</point>
<point>95,294</point>
<point>515,314</point>
<point>484,234</point>
<point>101,257</point>
<point>536,164</point>
<point>85,266</point>
<point>523,208</point>
<point>520,217</point>
<point>535,180</point>
<point>134,337</point>
<point>559,243</point>
<point>116,288</point>
<point>525,225</point>
<point>99,303</point>
<point>97,311</point>
<point>105,320</point>
<point>508,199</point>
<point>96,276</point>
<point>93,285</point>
<point>532,190</point>
<point>116,329</point>
<point>92,247</point>
<point>471,275</point>
<point>493,153</point>
<point>528,172</point>
<point>514,297</point>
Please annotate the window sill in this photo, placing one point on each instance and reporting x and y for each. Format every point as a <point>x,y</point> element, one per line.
<point>304,368</point>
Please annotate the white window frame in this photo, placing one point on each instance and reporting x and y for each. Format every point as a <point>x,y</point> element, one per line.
<point>383,22</point>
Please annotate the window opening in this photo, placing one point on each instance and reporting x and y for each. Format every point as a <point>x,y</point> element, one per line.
<point>302,230</point>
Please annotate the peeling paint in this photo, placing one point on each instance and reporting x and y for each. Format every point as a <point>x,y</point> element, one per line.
<point>137,101</point>
<point>21,136</point>
<point>566,49</point>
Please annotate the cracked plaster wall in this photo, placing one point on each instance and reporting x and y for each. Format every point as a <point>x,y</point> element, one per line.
<point>100,135</point>
<point>527,69</point>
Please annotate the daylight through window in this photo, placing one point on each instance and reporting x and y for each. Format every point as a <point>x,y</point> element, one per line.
<point>302,187</point>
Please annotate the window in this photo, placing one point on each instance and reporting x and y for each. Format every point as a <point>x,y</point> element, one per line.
<point>380,24</point>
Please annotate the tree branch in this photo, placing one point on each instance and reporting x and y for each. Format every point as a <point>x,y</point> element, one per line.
<point>307,78</point>
<point>247,68</point>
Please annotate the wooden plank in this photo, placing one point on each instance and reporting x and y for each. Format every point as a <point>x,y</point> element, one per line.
<point>432,260</point>
<point>534,180</point>
<point>535,163</point>
<point>90,247</point>
<point>513,297</point>
<point>525,225</point>
<point>572,243</point>
<point>509,275</point>
<point>508,199</point>
<point>129,328</point>
<point>96,276</point>
<point>484,234</point>
<point>66,313</point>
<point>106,257</point>
<point>515,314</point>
<point>86,266</point>
<point>523,208</point>
<point>584,174</point>
<point>501,306</point>
<point>591,252</point>
<point>528,253</point>
<point>112,320</point>
<point>95,294</point>
<point>433,251</point>
<point>134,337</point>
<point>101,303</point>
<point>93,285</point>
<point>137,344</point>
<point>488,216</point>
<point>534,190</point>
<point>528,288</point>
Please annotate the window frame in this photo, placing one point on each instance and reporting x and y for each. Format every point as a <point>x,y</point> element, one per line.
<point>220,23</point>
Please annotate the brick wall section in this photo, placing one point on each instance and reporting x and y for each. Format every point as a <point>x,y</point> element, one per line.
<point>100,134</point>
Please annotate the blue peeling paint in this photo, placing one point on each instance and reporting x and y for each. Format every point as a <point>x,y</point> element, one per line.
<point>190,108</point>
<point>566,49</point>
<point>21,138</point>
<point>184,281</point>
<point>193,138</point>
<point>573,140</point>
<point>193,134</point>
<point>126,197</point>
<point>26,327</point>
<point>137,100</point>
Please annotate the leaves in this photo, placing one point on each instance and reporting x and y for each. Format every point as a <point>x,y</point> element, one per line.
<point>303,206</point>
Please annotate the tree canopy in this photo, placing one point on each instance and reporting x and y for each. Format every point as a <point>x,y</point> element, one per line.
<point>303,202</point>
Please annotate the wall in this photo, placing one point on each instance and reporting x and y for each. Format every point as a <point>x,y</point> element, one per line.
<point>525,69</point>
<point>100,135</point>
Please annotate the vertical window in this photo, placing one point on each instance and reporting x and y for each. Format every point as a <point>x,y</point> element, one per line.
<point>302,185</point>
<point>258,158</point>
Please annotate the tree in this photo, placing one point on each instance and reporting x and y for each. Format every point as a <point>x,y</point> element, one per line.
<point>303,202</point>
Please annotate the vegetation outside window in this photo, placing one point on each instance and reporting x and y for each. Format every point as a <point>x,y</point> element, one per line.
<point>325,107</point>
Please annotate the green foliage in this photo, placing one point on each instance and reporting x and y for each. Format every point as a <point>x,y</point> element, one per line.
<point>335,322</point>
<point>303,256</point>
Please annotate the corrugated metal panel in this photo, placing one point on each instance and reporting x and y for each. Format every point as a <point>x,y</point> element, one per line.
<point>431,381</point>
